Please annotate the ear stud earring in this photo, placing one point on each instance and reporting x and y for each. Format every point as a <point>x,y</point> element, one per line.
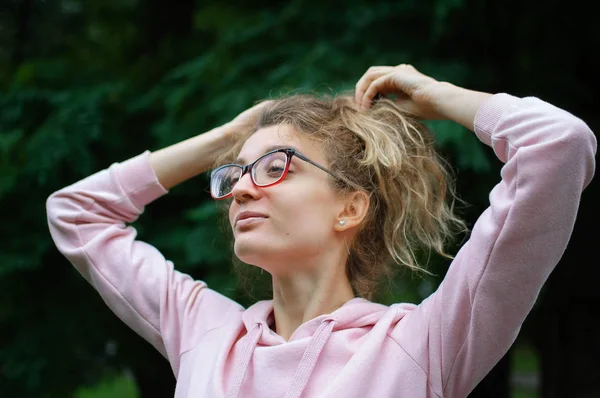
<point>342,222</point>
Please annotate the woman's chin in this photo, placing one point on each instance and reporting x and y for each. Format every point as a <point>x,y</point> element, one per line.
<point>252,252</point>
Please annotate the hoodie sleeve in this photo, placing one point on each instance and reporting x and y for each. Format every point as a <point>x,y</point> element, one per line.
<point>463,329</point>
<point>87,221</point>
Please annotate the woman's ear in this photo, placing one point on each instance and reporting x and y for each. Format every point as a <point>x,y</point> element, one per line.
<point>354,211</point>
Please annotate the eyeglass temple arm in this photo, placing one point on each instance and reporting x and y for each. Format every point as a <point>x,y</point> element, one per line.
<point>314,164</point>
<point>325,170</point>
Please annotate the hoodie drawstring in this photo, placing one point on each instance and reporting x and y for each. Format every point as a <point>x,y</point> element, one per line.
<point>309,359</point>
<point>240,370</point>
<point>303,371</point>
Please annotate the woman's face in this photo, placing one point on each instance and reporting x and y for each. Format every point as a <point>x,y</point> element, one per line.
<point>296,217</point>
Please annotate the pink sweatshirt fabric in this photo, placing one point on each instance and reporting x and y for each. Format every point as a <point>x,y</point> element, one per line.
<point>440,348</point>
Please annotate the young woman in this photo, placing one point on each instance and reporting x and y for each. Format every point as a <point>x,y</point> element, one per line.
<point>323,194</point>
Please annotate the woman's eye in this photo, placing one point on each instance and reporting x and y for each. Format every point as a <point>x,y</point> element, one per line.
<point>233,181</point>
<point>275,169</point>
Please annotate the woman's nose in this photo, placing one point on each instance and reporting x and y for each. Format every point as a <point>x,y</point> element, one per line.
<point>245,189</point>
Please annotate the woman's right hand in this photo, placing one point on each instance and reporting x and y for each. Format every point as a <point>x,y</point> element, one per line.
<point>184,160</point>
<point>245,120</point>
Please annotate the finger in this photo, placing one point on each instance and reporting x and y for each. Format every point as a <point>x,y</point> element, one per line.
<point>256,108</point>
<point>383,84</point>
<point>371,74</point>
<point>363,83</point>
<point>262,104</point>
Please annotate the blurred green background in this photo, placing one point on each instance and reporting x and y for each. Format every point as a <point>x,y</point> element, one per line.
<point>84,84</point>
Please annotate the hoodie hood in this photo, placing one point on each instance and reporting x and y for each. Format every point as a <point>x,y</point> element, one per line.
<point>355,313</point>
<point>259,318</point>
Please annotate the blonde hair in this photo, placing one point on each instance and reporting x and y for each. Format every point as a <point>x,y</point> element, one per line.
<point>391,157</point>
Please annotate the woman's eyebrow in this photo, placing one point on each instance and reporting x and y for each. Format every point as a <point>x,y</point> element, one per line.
<point>242,161</point>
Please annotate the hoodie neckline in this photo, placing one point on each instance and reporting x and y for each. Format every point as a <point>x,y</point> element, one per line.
<point>355,312</point>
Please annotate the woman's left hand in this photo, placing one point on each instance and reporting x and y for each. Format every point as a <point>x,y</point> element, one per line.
<point>420,95</point>
<point>416,92</point>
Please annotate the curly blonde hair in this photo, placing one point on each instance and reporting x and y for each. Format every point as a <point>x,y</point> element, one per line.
<point>391,157</point>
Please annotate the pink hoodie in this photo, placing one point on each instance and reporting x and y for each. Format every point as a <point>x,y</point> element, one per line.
<point>440,348</point>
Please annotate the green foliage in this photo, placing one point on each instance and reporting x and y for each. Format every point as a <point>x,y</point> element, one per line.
<point>85,84</point>
<point>121,387</point>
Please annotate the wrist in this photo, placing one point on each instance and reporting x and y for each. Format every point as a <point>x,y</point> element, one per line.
<point>224,133</point>
<point>458,104</point>
<point>444,95</point>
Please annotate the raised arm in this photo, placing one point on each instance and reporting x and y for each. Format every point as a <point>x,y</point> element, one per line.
<point>88,222</point>
<point>462,330</point>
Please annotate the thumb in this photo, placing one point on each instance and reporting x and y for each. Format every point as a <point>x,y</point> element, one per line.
<point>408,106</point>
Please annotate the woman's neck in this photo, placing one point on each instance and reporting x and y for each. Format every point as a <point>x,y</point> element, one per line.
<point>301,297</point>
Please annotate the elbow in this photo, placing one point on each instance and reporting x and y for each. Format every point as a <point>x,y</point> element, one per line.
<point>584,136</point>
<point>51,206</point>
<point>61,209</point>
<point>581,146</point>
<point>53,217</point>
<point>54,203</point>
<point>62,214</point>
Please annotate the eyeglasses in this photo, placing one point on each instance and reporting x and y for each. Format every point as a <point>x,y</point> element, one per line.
<point>268,170</point>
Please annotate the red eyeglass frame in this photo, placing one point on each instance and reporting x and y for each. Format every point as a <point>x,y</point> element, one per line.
<point>290,152</point>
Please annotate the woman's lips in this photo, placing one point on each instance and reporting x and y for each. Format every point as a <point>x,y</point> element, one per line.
<point>246,217</point>
<point>249,221</point>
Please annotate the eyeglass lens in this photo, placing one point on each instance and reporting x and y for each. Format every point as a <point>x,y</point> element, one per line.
<point>267,170</point>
